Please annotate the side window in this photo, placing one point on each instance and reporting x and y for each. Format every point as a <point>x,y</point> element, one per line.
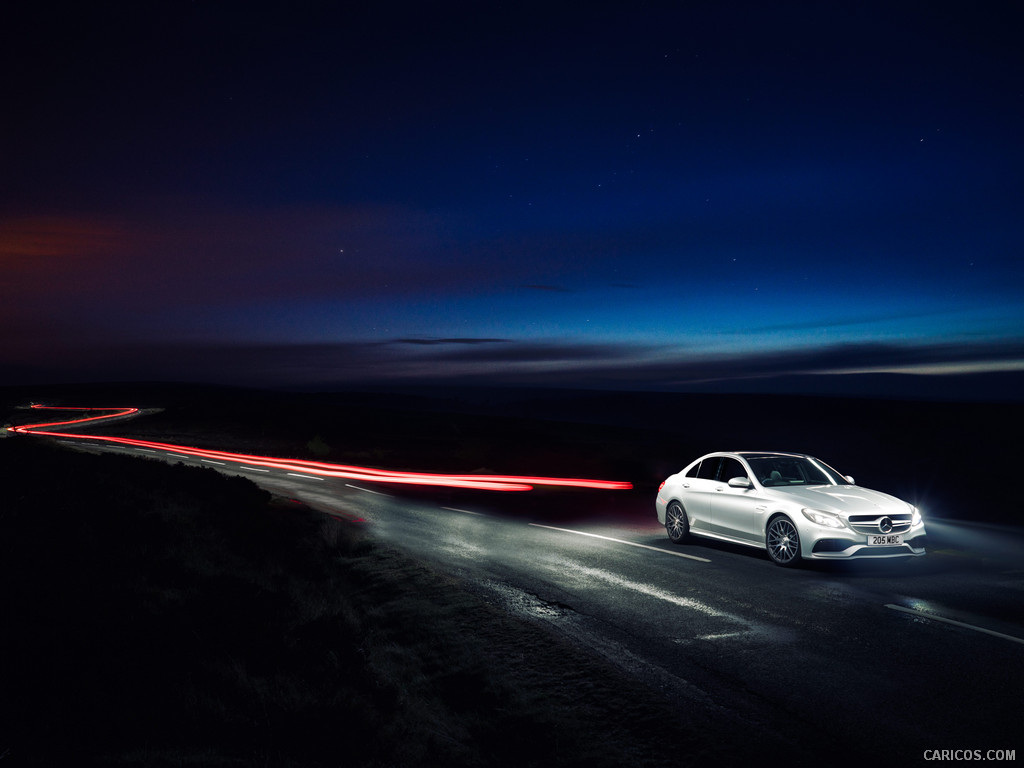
<point>730,469</point>
<point>694,469</point>
<point>709,468</point>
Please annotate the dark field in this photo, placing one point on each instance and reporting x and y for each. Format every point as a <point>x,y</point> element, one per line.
<point>166,615</point>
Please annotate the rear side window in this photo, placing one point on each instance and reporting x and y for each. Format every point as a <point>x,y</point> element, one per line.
<point>708,469</point>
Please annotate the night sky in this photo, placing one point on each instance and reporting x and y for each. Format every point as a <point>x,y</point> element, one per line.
<point>635,195</point>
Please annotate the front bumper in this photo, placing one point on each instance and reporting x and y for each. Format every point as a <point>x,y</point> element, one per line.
<point>839,547</point>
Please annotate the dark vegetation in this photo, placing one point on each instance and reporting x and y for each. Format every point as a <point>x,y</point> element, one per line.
<point>170,615</point>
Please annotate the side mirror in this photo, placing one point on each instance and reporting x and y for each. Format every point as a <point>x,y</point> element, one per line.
<point>739,482</point>
<point>849,479</point>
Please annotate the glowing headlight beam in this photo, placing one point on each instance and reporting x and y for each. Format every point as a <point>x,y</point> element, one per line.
<point>322,469</point>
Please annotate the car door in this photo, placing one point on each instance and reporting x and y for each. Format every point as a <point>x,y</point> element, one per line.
<point>696,491</point>
<point>736,512</point>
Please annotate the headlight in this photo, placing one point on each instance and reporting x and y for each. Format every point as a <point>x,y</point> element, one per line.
<point>826,519</point>
<point>916,519</point>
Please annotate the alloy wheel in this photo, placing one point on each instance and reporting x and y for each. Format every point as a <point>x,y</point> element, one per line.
<point>783,541</point>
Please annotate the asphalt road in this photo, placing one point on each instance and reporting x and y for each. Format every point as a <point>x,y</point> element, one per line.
<point>884,660</point>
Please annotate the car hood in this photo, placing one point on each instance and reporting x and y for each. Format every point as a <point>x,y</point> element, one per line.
<point>844,499</point>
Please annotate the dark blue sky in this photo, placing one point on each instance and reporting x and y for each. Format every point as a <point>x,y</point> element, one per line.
<point>616,194</point>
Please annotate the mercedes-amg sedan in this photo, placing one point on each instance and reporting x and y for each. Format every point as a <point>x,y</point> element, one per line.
<point>790,504</point>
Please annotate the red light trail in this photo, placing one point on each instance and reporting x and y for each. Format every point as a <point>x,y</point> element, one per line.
<point>318,468</point>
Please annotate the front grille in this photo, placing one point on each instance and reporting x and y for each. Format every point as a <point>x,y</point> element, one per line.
<point>870,523</point>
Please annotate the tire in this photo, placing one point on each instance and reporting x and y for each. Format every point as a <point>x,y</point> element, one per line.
<point>676,523</point>
<point>782,542</point>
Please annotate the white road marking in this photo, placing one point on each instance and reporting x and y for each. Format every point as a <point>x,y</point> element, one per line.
<point>211,461</point>
<point>252,469</point>
<point>145,450</point>
<point>464,511</point>
<point>954,622</point>
<point>659,594</point>
<point>623,541</point>
<point>307,477</point>
<point>179,455</point>
<point>365,490</point>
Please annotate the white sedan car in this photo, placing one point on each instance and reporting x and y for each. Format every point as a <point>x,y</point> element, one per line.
<point>793,505</point>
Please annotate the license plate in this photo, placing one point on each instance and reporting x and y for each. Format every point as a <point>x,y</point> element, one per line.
<point>885,540</point>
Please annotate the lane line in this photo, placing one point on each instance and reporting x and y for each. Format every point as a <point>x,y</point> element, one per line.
<point>180,455</point>
<point>307,477</point>
<point>252,469</point>
<point>954,622</point>
<point>623,541</point>
<point>211,461</point>
<point>464,511</point>
<point>366,490</point>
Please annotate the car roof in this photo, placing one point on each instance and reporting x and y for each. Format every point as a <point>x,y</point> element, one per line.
<point>766,454</point>
<point>753,455</point>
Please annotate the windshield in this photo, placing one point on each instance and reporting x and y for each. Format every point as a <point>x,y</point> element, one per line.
<point>792,470</point>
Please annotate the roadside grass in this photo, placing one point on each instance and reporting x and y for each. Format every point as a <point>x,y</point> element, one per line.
<point>170,615</point>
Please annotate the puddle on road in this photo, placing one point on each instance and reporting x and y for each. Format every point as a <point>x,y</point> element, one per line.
<point>524,603</point>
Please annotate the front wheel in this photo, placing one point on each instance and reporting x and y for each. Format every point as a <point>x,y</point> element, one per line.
<point>676,523</point>
<point>783,542</point>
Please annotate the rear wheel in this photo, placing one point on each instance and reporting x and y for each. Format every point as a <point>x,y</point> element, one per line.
<point>783,542</point>
<point>676,523</point>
